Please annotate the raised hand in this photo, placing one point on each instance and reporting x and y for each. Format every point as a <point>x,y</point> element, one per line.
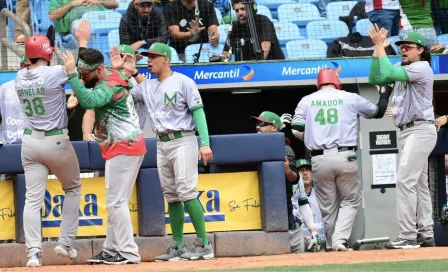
<point>82,33</point>
<point>377,35</point>
<point>115,58</point>
<point>129,63</point>
<point>286,118</point>
<point>69,62</point>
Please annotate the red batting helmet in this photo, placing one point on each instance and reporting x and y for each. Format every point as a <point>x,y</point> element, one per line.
<point>328,76</point>
<point>38,46</point>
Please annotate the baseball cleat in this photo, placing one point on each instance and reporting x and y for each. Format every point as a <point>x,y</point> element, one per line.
<point>35,260</point>
<point>402,243</point>
<point>66,251</point>
<point>343,247</point>
<point>117,259</point>
<point>172,254</point>
<point>200,251</point>
<point>99,258</point>
<point>425,241</point>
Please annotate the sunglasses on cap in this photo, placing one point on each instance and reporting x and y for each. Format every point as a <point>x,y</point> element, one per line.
<point>263,124</point>
<point>407,47</point>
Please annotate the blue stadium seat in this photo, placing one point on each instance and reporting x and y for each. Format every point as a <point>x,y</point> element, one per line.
<point>299,14</point>
<point>362,26</point>
<point>223,30</point>
<point>392,40</point>
<point>40,18</point>
<point>443,39</point>
<point>274,4</point>
<point>218,16</point>
<point>306,49</point>
<point>101,23</point>
<point>287,32</point>
<point>340,8</point>
<point>113,38</point>
<point>10,32</point>
<point>206,52</point>
<point>123,6</point>
<point>326,31</point>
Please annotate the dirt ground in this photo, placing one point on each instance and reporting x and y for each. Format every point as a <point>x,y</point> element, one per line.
<point>263,261</point>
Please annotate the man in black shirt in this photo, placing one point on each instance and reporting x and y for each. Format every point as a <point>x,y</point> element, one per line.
<point>265,32</point>
<point>143,25</point>
<point>187,23</point>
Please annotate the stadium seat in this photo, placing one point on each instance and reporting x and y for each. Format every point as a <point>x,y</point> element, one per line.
<point>287,32</point>
<point>327,31</point>
<point>123,6</point>
<point>218,16</point>
<point>306,49</point>
<point>101,23</point>
<point>362,26</point>
<point>340,8</point>
<point>206,52</point>
<point>223,30</point>
<point>299,14</point>
<point>262,10</point>
<point>443,39</point>
<point>40,18</point>
<point>274,4</point>
<point>392,40</point>
<point>113,38</point>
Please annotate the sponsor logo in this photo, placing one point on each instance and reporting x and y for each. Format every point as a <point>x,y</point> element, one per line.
<point>227,74</point>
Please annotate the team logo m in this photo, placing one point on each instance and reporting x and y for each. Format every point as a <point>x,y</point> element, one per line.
<point>171,100</point>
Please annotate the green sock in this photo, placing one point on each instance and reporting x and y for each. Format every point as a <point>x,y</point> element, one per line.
<point>176,213</point>
<point>197,218</point>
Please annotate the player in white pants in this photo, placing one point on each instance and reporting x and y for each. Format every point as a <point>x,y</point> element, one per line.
<point>46,147</point>
<point>327,121</point>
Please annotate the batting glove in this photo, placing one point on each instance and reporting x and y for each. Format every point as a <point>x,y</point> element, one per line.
<point>313,241</point>
<point>286,118</point>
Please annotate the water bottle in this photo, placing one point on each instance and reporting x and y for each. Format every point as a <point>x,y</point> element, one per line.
<point>238,51</point>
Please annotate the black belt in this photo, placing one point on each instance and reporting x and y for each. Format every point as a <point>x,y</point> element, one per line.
<point>412,124</point>
<point>343,148</point>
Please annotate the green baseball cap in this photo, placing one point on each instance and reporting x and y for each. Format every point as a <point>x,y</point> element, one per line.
<point>269,117</point>
<point>302,162</point>
<point>412,37</point>
<point>159,49</point>
<point>127,49</point>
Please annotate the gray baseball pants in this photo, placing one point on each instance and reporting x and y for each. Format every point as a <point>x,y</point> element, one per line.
<point>120,173</point>
<point>177,163</point>
<point>338,191</point>
<point>41,154</point>
<point>414,206</point>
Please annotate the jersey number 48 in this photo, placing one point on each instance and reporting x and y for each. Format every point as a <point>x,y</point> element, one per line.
<point>330,116</point>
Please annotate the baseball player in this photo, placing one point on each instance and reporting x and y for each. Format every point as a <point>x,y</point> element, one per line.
<point>46,146</point>
<point>304,168</point>
<point>269,122</point>
<point>11,114</point>
<point>176,113</point>
<point>120,138</point>
<point>413,114</point>
<point>327,120</point>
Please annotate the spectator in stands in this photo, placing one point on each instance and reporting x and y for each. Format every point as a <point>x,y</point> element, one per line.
<point>386,14</point>
<point>23,12</point>
<point>224,7</point>
<point>304,168</point>
<point>241,37</point>
<point>269,122</point>
<point>355,45</point>
<point>418,12</point>
<point>187,23</point>
<point>67,13</point>
<point>143,25</point>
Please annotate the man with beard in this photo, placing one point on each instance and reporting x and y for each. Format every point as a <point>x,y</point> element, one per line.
<point>413,114</point>
<point>120,138</point>
<point>241,35</point>
<point>143,25</point>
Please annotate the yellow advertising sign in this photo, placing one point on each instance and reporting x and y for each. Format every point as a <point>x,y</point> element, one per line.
<point>92,211</point>
<point>7,211</point>
<point>231,201</point>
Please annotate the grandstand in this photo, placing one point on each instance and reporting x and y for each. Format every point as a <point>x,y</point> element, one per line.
<point>299,27</point>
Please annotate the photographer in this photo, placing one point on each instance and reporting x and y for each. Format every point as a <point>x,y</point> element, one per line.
<point>241,36</point>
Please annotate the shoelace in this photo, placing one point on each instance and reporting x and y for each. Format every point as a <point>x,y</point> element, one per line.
<point>168,251</point>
